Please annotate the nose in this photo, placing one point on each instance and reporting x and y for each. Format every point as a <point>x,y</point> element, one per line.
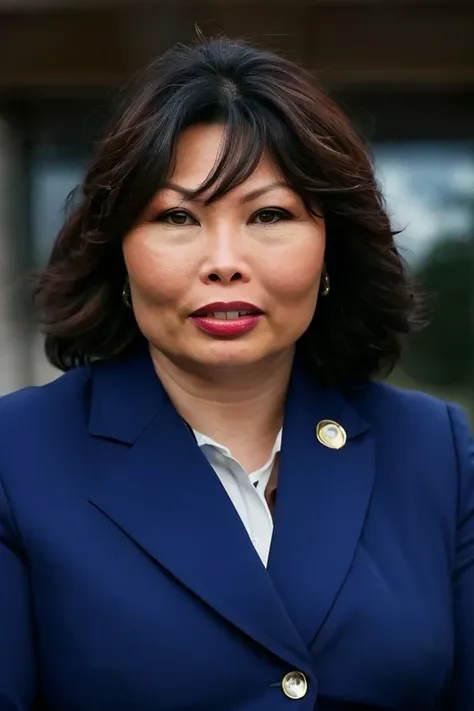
<point>225,262</point>
<point>224,276</point>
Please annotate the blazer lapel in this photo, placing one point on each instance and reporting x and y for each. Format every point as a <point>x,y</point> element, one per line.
<point>322,499</point>
<point>162,493</point>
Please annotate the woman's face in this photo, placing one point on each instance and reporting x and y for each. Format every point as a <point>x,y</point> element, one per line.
<point>233,283</point>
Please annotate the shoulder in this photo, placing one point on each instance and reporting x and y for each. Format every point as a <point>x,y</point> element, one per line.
<point>424,444</point>
<point>65,386</point>
<point>42,429</point>
<point>41,409</point>
<point>385,405</point>
<point>410,426</point>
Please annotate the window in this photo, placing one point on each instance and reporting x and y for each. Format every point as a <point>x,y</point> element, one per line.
<point>429,188</point>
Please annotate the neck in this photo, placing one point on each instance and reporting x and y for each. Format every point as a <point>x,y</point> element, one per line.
<point>242,408</point>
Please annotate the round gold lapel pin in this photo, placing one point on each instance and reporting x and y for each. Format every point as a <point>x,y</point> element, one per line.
<point>331,434</point>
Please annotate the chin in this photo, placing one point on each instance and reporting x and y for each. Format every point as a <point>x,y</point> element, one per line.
<point>231,354</point>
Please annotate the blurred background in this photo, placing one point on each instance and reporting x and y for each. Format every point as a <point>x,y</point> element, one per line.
<point>404,71</point>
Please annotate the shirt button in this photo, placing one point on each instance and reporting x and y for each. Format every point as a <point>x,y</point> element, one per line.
<point>294,685</point>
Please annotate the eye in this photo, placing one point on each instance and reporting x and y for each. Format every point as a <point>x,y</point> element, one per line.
<point>271,215</point>
<point>177,218</point>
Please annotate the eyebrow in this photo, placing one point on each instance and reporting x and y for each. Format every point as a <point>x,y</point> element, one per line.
<point>248,197</point>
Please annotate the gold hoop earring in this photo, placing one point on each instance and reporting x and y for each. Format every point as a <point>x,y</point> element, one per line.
<point>126,295</point>
<point>325,283</point>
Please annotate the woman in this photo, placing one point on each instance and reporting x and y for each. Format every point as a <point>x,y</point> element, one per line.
<point>217,507</point>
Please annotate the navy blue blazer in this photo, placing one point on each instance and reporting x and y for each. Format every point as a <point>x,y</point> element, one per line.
<point>128,582</point>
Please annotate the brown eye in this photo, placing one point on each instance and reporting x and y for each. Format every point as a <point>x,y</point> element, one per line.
<point>271,216</point>
<point>177,218</point>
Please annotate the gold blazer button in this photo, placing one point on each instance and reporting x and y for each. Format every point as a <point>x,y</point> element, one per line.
<point>331,434</point>
<point>294,685</point>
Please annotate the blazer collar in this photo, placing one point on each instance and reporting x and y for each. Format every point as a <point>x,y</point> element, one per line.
<point>154,483</point>
<point>127,395</point>
<point>322,501</point>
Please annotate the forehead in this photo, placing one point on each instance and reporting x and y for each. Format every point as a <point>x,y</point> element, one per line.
<point>199,149</point>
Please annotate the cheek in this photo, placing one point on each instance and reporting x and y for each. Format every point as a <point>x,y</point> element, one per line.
<point>297,274</point>
<point>157,273</point>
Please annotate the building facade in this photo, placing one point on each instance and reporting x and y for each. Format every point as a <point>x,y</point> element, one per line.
<point>403,70</point>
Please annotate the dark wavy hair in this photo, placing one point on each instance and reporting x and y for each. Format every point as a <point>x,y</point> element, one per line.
<point>268,104</point>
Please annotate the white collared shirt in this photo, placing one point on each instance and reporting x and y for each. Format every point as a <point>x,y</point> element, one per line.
<point>246,491</point>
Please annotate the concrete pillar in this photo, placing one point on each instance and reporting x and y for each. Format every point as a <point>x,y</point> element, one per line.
<point>13,325</point>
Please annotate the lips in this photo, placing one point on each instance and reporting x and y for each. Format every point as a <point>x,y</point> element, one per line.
<point>228,315</point>
<point>231,319</point>
<point>226,310</point>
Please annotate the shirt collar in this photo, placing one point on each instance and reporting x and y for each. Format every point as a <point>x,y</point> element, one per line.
<point>203,440</point>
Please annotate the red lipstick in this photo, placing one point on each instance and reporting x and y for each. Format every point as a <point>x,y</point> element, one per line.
<point>227,318</point>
